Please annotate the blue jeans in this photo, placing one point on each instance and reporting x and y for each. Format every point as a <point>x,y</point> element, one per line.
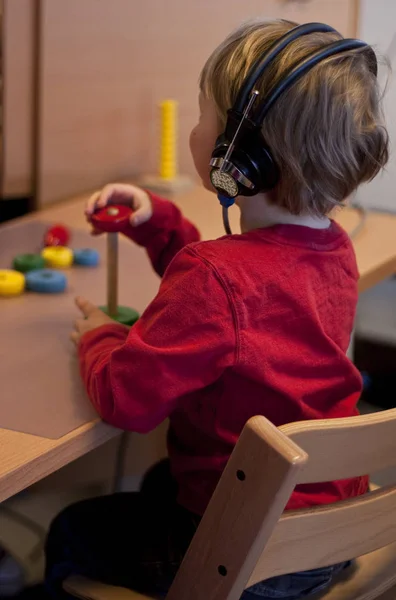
<point>294,586</point>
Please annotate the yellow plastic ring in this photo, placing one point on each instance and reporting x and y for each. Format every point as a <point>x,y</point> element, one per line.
<point>57,257</point>
<point>12,283</point>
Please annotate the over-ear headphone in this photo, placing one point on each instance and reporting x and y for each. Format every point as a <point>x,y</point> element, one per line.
<point>242,164</point>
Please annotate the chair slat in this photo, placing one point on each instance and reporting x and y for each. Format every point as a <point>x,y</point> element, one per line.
<point>87,589</point>
<point>344,448</point>
<point>242,511</point>
<point>327,535</point>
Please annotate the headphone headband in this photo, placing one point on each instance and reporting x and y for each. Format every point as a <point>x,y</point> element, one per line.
<point>305,65</point>
<point>262,63</point>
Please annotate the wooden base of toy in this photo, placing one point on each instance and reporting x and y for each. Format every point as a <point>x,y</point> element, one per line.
<point>125,315</point>
<point>172,186</point>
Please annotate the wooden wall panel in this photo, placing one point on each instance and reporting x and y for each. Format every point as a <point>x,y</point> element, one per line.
<point>18,94</point>
<point>106,65</point>
<point>377,26</point>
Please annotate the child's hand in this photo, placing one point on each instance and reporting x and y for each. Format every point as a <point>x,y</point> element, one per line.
<point>93,318</point>
<point>122,193</point>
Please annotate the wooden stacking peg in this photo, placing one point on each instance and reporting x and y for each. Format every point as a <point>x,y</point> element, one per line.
<point>112,220</point>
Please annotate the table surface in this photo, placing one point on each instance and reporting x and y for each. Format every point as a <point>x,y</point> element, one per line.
<point>26,458</point>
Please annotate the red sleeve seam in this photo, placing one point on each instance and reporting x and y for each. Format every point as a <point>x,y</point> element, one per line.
<point>228,293</point>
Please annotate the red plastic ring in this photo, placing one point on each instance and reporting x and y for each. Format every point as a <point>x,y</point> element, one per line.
<point>57,235</point>
<point>112,218</point>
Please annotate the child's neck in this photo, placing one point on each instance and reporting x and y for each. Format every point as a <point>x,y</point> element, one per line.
<point>257,212</point>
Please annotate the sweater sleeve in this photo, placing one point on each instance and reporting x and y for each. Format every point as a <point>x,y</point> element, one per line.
<point>164,235</point>
<point>182,343</point>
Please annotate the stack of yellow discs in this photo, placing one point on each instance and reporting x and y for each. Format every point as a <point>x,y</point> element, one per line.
<point>12,283</point>
<point>57,257</point>
<point>168,140</point>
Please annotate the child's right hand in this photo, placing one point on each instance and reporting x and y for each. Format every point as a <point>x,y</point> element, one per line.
<point>122,193</point>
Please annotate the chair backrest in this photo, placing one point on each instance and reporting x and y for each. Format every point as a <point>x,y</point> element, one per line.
<point>244,537</point>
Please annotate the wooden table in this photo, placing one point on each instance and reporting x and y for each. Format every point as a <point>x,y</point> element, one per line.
<point>25,459</point>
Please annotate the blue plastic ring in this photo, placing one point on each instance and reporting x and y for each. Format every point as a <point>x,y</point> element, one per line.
<point>86,257</point>
<point>46,281</point>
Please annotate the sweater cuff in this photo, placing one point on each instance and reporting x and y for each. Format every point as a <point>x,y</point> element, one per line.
<point>116,331</point>
<point>162,212</point>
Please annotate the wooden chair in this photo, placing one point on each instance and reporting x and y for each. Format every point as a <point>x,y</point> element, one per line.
<point>245,537</point>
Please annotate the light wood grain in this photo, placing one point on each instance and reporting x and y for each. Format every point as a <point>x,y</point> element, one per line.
<point>93,590</point>
<point>371,575</point>
<point>336,450</point>
<point>105,67</point>
<point>314,538</point>
<point>112,274</point>
<point>327,535</point>
<point>18,97</point>
<point>301,540</point>
<point>241,515</point>
<point>240,531</point>
<point>25,459</point>
<point>260,443</point>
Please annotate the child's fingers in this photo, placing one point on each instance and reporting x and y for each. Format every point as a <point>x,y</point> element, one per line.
<point>141,215</point>
<point>113,193</point>
<point>117,193</point>
<point>75,337</point>
<point>92,203</point>
<point>77,324</point>
<point>100,199</point>
<point>143,209</point>
<point>86,307</point>
<point>95,231</point>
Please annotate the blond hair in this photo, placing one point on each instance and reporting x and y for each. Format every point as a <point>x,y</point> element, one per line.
<point>325,132</point>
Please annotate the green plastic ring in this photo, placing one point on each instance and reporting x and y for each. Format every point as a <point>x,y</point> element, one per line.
<point>125,315</point>
<point>28,262</point>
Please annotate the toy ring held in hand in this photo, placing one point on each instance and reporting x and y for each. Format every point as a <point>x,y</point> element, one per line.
<point>111,219</point>
<point>57,257</point>
<point>12,283</point>
<point>46,281</point>
<point>86,257</point>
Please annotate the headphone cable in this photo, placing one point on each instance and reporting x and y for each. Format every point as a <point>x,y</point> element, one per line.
<point>226,220</point>
<point>363,213</point>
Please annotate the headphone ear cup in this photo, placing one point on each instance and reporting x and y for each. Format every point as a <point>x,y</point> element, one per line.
<point>261,157</point>
<point>256,164</point>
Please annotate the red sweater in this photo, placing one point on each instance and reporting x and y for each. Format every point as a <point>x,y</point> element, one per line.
<point>249,324</point>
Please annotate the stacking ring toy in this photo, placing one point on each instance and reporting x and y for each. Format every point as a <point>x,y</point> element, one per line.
<point>46,281</point>
<point>86,257</point>
<point>57,235</point>
<point>28,262</point>
<point>12,283</point>
<point>112,218</point>
<point>125,315</point>
<point>57,257</point>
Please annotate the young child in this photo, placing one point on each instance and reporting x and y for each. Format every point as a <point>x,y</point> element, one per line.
<point>256,323</point>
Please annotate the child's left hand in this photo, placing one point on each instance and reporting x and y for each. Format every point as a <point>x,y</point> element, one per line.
<point>93,318</point>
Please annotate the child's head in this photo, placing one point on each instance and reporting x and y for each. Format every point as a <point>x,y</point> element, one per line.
<point>325,132</point>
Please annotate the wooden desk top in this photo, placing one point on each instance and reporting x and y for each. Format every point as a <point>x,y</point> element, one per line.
<point>24,458</point>
<point>375,245</point>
